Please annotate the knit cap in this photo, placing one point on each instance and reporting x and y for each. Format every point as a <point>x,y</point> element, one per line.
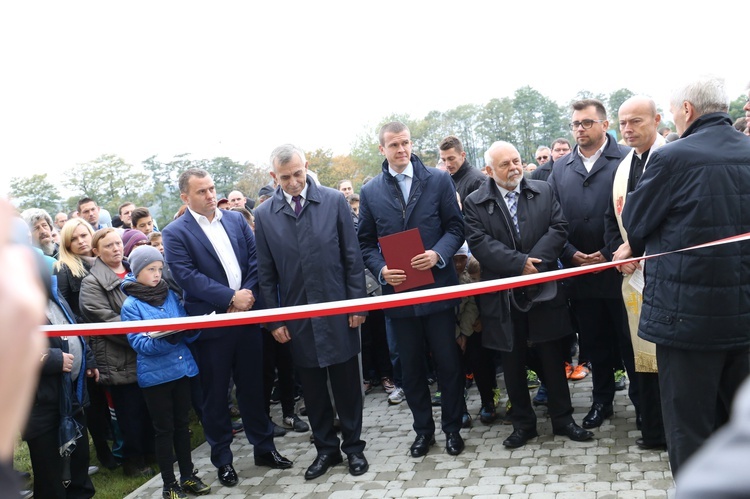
<point>130,238</point>
<point>142,256</point>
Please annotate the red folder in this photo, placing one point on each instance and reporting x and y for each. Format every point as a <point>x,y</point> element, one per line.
<point>398,249</point>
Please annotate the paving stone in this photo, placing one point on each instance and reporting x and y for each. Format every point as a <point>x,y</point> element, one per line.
<point>549,467</point>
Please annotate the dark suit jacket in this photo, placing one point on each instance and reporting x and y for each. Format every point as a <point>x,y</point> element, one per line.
<point>196,267</point>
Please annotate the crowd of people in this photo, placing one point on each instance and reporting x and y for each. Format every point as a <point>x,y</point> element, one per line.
<point>299,243</point>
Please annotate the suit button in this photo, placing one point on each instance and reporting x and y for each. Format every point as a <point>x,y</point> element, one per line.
<point>585,219</point>
<point>586,184</point>
<point>180,357</point>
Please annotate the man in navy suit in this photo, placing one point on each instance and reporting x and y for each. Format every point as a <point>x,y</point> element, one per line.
<point>211,254</point>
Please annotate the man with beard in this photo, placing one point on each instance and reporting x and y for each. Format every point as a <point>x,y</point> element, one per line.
<point>582,182</point>
<point>525,236</point>
<point>40,225</point>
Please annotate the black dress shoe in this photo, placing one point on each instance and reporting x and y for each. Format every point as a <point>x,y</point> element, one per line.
<point>574,432</point>
<point>454,444</point>
<point>421,445</point>
<point>519,438</point>
<point>273,460</point>
<point>597,415</point>
<point>321,465</point>
<point>642,444</point>
<point>358,464</point>
<point>227,475</point>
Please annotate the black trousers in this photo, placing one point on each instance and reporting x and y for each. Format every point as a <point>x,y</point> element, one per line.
<point>99,424</point>
<point>169,405</point>
<point>47,466</point>
<point>479,360</point>
<point>605,337</point>
<point>346,386</point>
<point>277,359</point>
<point>551,363</point>
<point>691,383</point>
<point>134,421</point>
<point>238,353</point>
<point>413,334</point>
<point>652,425</point>
<point>376,358</point>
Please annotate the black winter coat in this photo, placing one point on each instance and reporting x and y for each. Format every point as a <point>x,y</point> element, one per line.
<point>584,197</point>
<point>501,254</point>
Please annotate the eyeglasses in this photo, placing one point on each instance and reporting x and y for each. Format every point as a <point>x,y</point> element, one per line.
<point>586,124</point>
<point>542,157</point>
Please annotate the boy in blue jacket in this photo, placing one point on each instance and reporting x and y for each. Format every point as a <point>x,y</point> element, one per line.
<point>164,366</point>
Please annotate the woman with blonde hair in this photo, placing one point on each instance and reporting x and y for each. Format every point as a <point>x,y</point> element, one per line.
<point>75,260</point>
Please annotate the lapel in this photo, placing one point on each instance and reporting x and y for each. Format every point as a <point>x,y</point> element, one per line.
<point>279,204</point>
<point>192,226</point>
<point>232,233</point>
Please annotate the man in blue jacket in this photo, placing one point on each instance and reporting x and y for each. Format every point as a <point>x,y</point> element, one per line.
<point>211,253</point>
<point>409,195</point>
<point>696,304</point>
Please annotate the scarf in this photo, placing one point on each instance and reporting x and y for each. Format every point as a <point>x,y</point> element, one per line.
<point>154,296</point>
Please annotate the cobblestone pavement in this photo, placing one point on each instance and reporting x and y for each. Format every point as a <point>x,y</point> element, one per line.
<point>548,467</point>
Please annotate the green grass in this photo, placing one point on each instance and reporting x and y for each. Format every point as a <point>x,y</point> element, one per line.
<point>108,484</point>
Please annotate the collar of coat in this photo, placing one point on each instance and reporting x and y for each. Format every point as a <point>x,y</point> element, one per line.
<point>611,151</point>
<point>707,120</point>
<point>279,201</point>
<point>462,170</point>
<point>489,191</point>
<point>421,172</point>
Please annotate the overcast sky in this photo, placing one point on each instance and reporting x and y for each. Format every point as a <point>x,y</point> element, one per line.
<point>236,79</point>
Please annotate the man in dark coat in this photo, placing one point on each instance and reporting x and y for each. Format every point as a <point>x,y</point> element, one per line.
<point>211,254</point>
<point>582,182</point>
<point>465,176</point>
<point>308,253</point>
<point>524,237</point>
<point>409,195</point>
<point>696,304</point>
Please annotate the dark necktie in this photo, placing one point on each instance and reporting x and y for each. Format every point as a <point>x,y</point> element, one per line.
<point>513,208</point>
<point>297,204</point>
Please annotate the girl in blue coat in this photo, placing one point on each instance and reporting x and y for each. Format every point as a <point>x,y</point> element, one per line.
<point>164,366</point>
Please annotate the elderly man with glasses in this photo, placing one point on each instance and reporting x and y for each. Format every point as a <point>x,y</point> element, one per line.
<point>582,182</point>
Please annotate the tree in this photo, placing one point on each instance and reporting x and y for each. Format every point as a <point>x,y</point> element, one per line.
<point>35,192</point>
<point>495,123</point>
<point>736,107</point>
<point>253,178</point>
<point>109,180</point>
<point>319,161</point>
<point>536,121</point>
<point>614,102</point>
<point>225,173</point>
<point>165,193</point>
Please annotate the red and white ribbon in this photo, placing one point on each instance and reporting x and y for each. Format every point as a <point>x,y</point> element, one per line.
<point>354,305</point>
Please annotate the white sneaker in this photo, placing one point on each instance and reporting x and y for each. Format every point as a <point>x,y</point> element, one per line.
<point>397,396</point>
